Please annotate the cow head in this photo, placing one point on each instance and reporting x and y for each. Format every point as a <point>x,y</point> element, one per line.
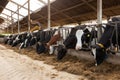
<point>61,52</point>
<point>56,37</point>
<point>16,41</point>
<point>86,37</point>
<point>99,53</point>
<point>40,48</point>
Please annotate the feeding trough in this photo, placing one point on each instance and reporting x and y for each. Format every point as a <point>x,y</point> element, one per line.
<point>112,58</point>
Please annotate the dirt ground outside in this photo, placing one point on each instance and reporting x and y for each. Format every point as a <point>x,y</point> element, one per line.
<point>70,64</point>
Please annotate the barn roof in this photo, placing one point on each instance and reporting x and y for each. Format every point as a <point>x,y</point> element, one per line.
<point>73,11</point>
<point>3,3</point>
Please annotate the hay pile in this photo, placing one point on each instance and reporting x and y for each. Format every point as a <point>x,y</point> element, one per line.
<point>76,66</point>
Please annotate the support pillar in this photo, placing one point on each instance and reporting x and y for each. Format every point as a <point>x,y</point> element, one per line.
<point>49,17</point>
<point>29,16</point>
<point>18,20</point>
<point>11,23</point>
<point>99,18</point>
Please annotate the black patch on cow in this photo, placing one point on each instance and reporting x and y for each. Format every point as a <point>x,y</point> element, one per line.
<point>33,41</point>
<point>108,38</point>
<point>15,43</point>
<point>6,38</point>
<point>42,36</point>
<point>71,40</point>
<point>47,36</point>
<point>100,55</point>
<point>40,48</point>
<point>61,52</point>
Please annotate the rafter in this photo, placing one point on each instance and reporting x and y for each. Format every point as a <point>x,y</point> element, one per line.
<point>61,11</point>
<point>43,2</point>
<point>8,15</point>
<point>70,8</point>
<point>90,13</point>
<point>58,10</point>
<point>11,10</point>
<point>35,14</point>
<point>91,6</point>
<point>6,19</point>
<point>19,5</point>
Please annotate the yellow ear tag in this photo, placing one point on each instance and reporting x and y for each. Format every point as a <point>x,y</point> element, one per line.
<point>101,45</point>
<point>116,49</point>
<point>88,35</point>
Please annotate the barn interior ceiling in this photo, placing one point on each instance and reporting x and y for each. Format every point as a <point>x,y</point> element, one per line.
<point>9,11</point>
<point>3,3</point>
<point>62,11</point>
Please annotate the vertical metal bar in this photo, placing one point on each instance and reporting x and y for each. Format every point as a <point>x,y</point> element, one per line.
<point>49,17</point>
<point>18,20</point>
<point>28,15</point>
<point>11,22</point>
<point>116,28</point>
<point>62,35</point>
<point>99,18</point>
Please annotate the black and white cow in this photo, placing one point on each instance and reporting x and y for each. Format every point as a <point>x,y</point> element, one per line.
<point>84,38</point>
<point>43,38</point>
<point>80,37</point>
<point>108,38</point>
<point>7,38</point>
<point>34,39</point>
<point>69,43</point>
<point>17,40</point>
<point>26,41</point>
<point>71,40</point>
<point>11,39</point>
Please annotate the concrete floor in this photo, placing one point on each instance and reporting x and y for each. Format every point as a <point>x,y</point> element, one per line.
<point>14,66</point>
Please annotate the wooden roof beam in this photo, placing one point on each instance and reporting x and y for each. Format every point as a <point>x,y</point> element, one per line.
<point>71,7</point>
<point>8,16</point>
<point>81,15</point>
<point>11,10</point>
<point>41,15</point>
<point>58,10</point>
<point>61,11</point>
<point>91,6</point>
<point>6,19</point>
<point>43,2</point>
<point>19,5</point>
